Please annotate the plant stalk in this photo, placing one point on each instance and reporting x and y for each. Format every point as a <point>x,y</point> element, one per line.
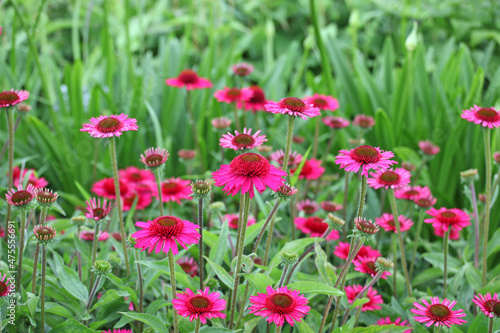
<point>21,249</point>
<point>200,244</point>
<point>445,271</point>
<point>420,222</point>
<point>10,125</point>
<point>160,193</point>
<point>487,153</point>
<point>44,272</point>
<point>141,287</point>
<point>171,265</point>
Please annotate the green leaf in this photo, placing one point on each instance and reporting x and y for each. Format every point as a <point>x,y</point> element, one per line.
<point>359,302</point>
<point>70,281</point>
<point>251,324</point>
<point>296,246</point>
<point>83,192</point>
<point>313,287</point>
<point>148,319</point>
<point>304,327</point>
<point>109,297</point>
<point>479,324</point>
<point>297,171</point>
<point>253,231</point>
<point>427,275</point>
<point>71,326</point>
<point>162,266</point>
<point>218,250</point>
<point>320,262</point>
<point>221,273</point>
<point>473,276</point>
<point>380,329</point>
<point>56,309</point>
<point>259,281</point>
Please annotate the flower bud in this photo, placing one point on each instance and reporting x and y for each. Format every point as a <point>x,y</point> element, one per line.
<point>289,257</point>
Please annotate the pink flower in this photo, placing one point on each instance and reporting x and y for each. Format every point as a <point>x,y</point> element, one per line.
<point>118,330</point>
<point>330,206</point>
<point>411,192</point>
<point>367,265</point>
<point>437,313</point>
<point>154,157</point>
<point>186,154</point>
<point>397,322</point>
<point>445,219</point>
<point>189,266</point>
<point>175,189</point>
<point>247,171</point>
<point>164,233</point>
<point>386,221</point>
<point>487,117</point>
<point>496,157</point>
<point>294,107</point>
<point>232,95</point>
<point>189,79</point>
<point>366,158</point>
<point>342,251</point>
<point>2,232</point>
<point>428,148</point>
<point>5,286</point>
<point>20,197</point>
<point>255,102</point>
<point>243,140</point>
<point>97,211</point>
<point>33,179</point>
<point>363,121</point>
<point>233,220</point>
<point>374,299</point>
<point>135,175</point>
<point>280,305</point>
<point>489,305</point>
<point>293,158</point>
<point>424,201</point>
<point>88,235</point>
<point>242,69</point>
<point>315,227</point>
<point>221,123</point>
<point>110,126</point>
<point>307,206</point>
<point>322,102</point>
<point>387,179</point>
<point>106,188</point>
<point>144,199</point>
<point>335,122</point>
<point>311,169</point>
<point>13,97</point>
<point>202,305</point>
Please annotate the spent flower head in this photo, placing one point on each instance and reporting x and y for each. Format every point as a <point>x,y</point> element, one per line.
<point>46,197</point>
<point>44,234</point>
<point>154,158</point>
<point>469,176</point>
<point>365,228</point>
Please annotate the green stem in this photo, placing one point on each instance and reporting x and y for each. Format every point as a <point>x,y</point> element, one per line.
<point>395,215</point>
<point>437,329</point>
<point>487,153</point>
<point>141,286</point>
<point>94,251</point>
<point>21,250</point>
<point>419,170</point>
<point>236,118</point>
<point>268,241</point>
<point>93,291</point>
<point>420,222</point>
<point>160,193</point>
<point>43,216</point>
<point>490,325</point>
<point>264,227</point>
<point>197,328</point>
<point>193,129</point>
<point>289,137</point>
<point>283,275</point>
<point>279,328</point>
<point>344,210</point>
<point>10,125</point>
<point>476,224</point>
<point>394,246</point>
<point>316,135</point>
<point>200,244</point>
<point>119,201</point>
<point>171,265</point>
<point>240,245</point>
<point>44,269</point>
<point>362,196</point>
<point>445,272</point>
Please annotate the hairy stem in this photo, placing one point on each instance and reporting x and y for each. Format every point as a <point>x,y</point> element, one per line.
<point>445,271</point>
<point>487,153</point>
<point>476,224</point>
<point>141,286</point>
<point>160,193</point>
<point>420,222</point>
<point>21,250</point>
<point>200,244</point>
<point>10,125</point>
<point>171,265</point>
<point>44,272</point>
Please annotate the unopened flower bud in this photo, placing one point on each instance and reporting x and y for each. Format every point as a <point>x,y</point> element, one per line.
<point>102,267</point>
<point>469,176</point>
<point>384,264</point>
<point>79,220</point>
<point>335,222</point>
<point>289,257</point>
<point>412,39</point>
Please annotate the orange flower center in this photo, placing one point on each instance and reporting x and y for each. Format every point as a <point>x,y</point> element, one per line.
<point>243,140</point>
<point>280,303</point>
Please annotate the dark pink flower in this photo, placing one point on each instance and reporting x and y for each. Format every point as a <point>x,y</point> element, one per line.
<point>488,304</point>
<point>202,305</point>
<point>88,235</point>
<point>189,79</point>
<point>187,154</point>
<point>189,266</point>
<point>364,158</point>
<point>428,148</point>
<point>363,121</point>
<point>256,101</point>
<point>20,197</point>
<point>110,126</point>
<point>307,206</point>
<point>106,188</point>
<point>242,69</point>
<point>323,102</point>
<point>97,211</point>
<point>387,179</point>
<point>243,140</point>
<point>293,106</point>
<point>315,227</point>
<point>175,189</point>
<point>411,192</point>
<point>233,219</point>
<point>374,299</point>
<point>397,322</point>
<point>330,206</point>
<point>5,286</point>
<point>135,175</point>
<point>13,97</point>
<point>445,219</point>
<point>164,233</point>
<point>144,199</point>
<point>335,122</point>
<point>367,265</point>
<point>386,221</point>
<point>37,182</point>
<point>232,95</point>
<point>294,158</point>
<point>438,313</point>
<point>486,117</point>
<point>342,251</point>
<point>221,123</point>
<point>424,201</point>
<point>154,157</point>
<point>280,305</point>
<point>311,169</point>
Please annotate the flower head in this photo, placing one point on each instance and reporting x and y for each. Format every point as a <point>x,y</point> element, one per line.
<point>387,179</point>
<point>164,233</point>
<point>135,175</point>
<point>175,189</point>
<point>408,166</point>
<point>335,122</point>
<point>368,265</point>
<point>110,126</point>
<point>280,305</point>
<point>294,158</point>
<point>445,219</point>
<point>331,206</point>
<point>232,95</point>
<point>365,227</point>
<point>486,117</point>
<point>189,266</point>
<point>5,286</point>
<point>366,158</point>
<point>21,198</point>
<point>286,191</point>
<point>233,220</point>
<point>203,305</point>
<point>242,69</point>
<point>289,257</point>
<point>13,97</point>
<point>342,251</point>
<point>428,148</point>
<point>221,123</point>
<point>425,201</point>
<point>37,182</point>
<point>307,206</point>
<point>315,226</point>
<point>45,197</point>
<point>488,304</point>
<point>322,102</point>
<point>243,140</point>
<point>256,100</point>
<point>101,267</point>
<point>397,322</point>
<point>363,121</point>
<point>106,188</point>
<point>247,171</point>
<point>189,79</point>
<point>294,107</point>
<point>88,235</point>
<point>374,299</point>
<point>311,169</point>
<point>201,189</point>
<point>97,211</point>
<point>386,221</point>
<point>44,233</point>
<point>186,154</point>
<point>411,192</point>
<point>438,313</point>
<point>154,157</point>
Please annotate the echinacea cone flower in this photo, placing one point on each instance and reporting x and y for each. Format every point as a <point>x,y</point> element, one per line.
<point>186,154</point>
<point>411,192</point>
<point>78,220</point>
<point>45,197</point>
<point>368,265</point>
<point>232,95</point>
<point>256,100</point>
<point>342,251</point>
<point>408,166</point>
<point>486,117</point>
<point>102,267</point>
<point>280,305</point>
<point>322,102</point>
<point>286,191</point>
<point>44,233</point>
<point>386,221</point>
<point>21,198</point>
<point>363,121</point>
<point>488,304</point>
<point>221,123</point>
<point>37,182</point>
<point>496,157</point>
<point>189,266</point>
<point>110,126</point>
<point>307,206</point>
<point>374,298</point>
<point>425,201</point>
<point>330,206</point>
<point>335,122</point>
<point>397,322</point>
<point>445,219</point>
<point>246,172</point>
<point>438,313</point>
<point>96,210</point>
<point>13,97</point>
<point>311,170</point>
<point>164,233</point>
<point>366,227</point>
<point>364,158</point>
<point>5,286</point>
<point>392,178</point>
<point>154,157</point>
<point>243,140</point>
<point>242,69</point>
<point>294,107</point>
<point>293,158</point>
<point>315,227</point>
<point>175,189</point>
<point>189,79</point>
<point>289,257</point>
<point>203,305</point>
<point>88,235</point>
<point>201,189</point>
<point>264,149</point>
<point>106,188</point>
<point>428,148</point>
<point>233,220</point>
